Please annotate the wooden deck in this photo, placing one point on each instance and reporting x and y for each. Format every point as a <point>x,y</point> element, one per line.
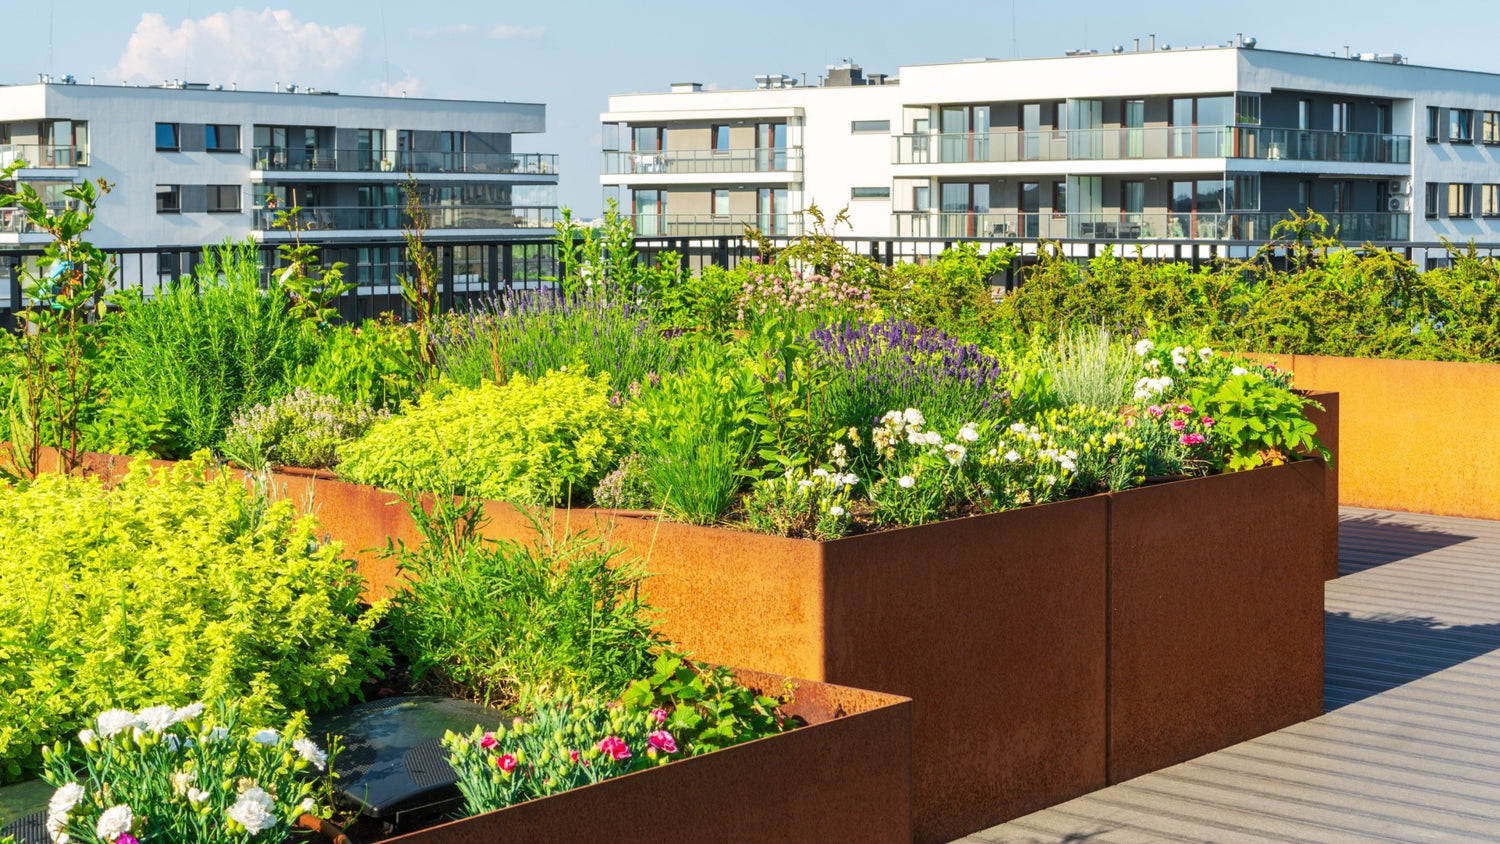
<point>1409,747</point>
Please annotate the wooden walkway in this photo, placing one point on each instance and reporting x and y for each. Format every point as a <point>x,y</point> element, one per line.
<point>1409,747</point>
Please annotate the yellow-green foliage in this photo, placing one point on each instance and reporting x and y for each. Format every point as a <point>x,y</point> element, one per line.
<point>526,441</point>
<point>165,589</point>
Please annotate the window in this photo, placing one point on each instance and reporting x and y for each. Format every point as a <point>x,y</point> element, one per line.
<point>166,136</point>
<point>1434,123</point>
<point>860,127</point>
<point>1491,127</point>
<point>168,199</point>
<point>648,138</point>
<point>1304,196</point>
<point>217,138</point>
<point>1059,197</point>
<point>1244,192</point>
<point>1460,200</point>
<point>870,193</point>
<point>1247,109</point>
<point>921,198</point>
<point>1489,200</point>
<point>1133,197</point>
<point>720,138</point>
<point>1460,126</point>
<point>1304,115</point>
<point>1343,196</point>
<point>721,202</point>
<point>1340,122</point>
<point>224,198</point>
<point>1434,199</point>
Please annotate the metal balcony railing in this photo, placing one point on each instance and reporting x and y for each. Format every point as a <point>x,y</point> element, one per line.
<point>1152,142</point>
<point>716,225</point>
<point>777,160</point>
<point>1235,225</point>
<point>331,160</point>
<point>395,218</point>
<point>43,155</point>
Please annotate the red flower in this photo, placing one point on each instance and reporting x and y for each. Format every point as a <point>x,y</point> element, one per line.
<point>615,748</point>
<point>662,740</point>
<point>488,741</point>
<point>506,763</point>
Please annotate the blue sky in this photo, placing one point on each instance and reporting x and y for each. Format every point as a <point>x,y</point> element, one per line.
<point>572,56</point>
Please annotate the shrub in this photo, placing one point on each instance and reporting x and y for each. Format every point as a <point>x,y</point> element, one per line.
<point>543,440</point>
<point>533,333</point>
<point>503,621</point>
<point>1087,366</point>
<point>628,487</point>
<point>167,587</point>
<point>303,429</point>
<point>199,351</point>
<point>952,293</point>
<point>374,364</point>
<point>165,774</point>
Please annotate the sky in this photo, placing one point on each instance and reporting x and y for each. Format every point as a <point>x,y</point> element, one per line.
<point>572,56</point>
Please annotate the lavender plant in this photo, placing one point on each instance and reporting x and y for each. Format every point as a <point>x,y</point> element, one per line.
<point>628,487</point>
<point>532,333</point>
<point>877,366</point>
<point>303,429</point>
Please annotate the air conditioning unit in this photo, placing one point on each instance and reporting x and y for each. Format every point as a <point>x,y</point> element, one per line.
<point>1401,187</point>
<point>1395,203</point>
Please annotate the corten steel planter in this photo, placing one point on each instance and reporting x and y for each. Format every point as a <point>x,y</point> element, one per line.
<point>846,776</point>
<point>1327,421</point>
<point>1215,613</point>
<point>1412,433</point>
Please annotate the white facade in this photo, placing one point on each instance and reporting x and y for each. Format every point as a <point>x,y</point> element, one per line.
<point>344,157</point>
<point>1209,144</point>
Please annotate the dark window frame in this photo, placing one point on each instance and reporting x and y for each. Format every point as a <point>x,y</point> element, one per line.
<point>869,193</point>
<point>176,137</point>
<point>215,130</point>
<point>216,192</point>
<point>869,127</point>
<point>174,191</point>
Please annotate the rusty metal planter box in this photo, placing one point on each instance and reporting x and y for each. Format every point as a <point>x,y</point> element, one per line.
<point>846,776</point>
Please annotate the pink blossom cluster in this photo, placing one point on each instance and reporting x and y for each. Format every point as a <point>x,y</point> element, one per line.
<point>1183,419</point>
<point>769,291</point>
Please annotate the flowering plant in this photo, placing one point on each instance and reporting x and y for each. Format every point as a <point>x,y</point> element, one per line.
<point>776,291</point>
<point>303,429</point>
<point>566,744</point>
<point>802,504</point>
<point>167,774</point>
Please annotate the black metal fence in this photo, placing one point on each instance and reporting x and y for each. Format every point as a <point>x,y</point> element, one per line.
<point>469,270</point>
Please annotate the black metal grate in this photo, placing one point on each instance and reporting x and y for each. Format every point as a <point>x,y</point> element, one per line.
<point>31,829</point>
<point>427,765</point>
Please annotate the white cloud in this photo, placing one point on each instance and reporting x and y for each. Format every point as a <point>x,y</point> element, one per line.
<point>505,31</point>
<point>409,85</point>
<point>252,48</point>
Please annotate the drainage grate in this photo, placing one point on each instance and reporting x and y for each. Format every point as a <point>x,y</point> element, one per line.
<point>427,765</point>
<point>31,829</point>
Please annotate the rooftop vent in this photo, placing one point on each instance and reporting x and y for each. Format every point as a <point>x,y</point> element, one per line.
<point>877,78</point>
<point>770,81</point>
<point>1081,53</point>
<point>686,87</point>
<point>1382,58</point>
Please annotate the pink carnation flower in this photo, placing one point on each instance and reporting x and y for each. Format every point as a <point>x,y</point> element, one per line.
<point>1178,424</point>
<point>1154,410</point>
<point>662,740</point>
<point>659,716</point>
<point>615,748</point>
<point>1185,408</point>
<point>506,763</point>
<point>1208,421</point>
<point>1191,439</point>
<point>488,741</point>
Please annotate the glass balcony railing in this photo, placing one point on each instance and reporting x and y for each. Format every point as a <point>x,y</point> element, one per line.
<point>395,218</point>
<point>714,225</point>
<point>43,155</point>
<point>1152,142</point>
<point>303,160</point>
<point>779,159</point>
<point>1353,227</point>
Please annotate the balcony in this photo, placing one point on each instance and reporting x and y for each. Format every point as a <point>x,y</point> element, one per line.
<point>303,160</point>
<point>395,218</point>
<point>1254,142</point>
<point>716,225</point>
<point>1353,227</point>
<point>703,161</point>
<point>43,155</point>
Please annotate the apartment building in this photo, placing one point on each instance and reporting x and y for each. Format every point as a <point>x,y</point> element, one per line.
<point>194,164</point>
<point>1210,144</point>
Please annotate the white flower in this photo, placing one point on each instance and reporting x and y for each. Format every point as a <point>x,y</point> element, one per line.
<point>311,752</point>
<point>196,795</point>
<point>87,737</point>
<point>1018,428</point>
<point>181,780</point>
<point>955,453</point>
<point>1205,353</point>
<point>968,433</point>
<point>915,437</point>
<point>914,417</point>
<point>1067,465</point>
<point>55,824</point>
<point>820,473</point>
<point>836,511</point>
<point>934,438</point>
<point>1179,360</point>
<point>1144,348</point>
<point>191,712</point>
<point>803,485</point>
<point>849,479</point>
<point>267,737</point>
<point>906,481</point>
<point>64,799</point>
<point>253,811</point>
<point>1239,370</point>
<point>157,718</point>
<point>892,419</point>
<point>1012,456</point>
<point>1153,364</point>
<point>1050,480</point>
<point>307,805</point>
<point>115,721</point>
<point>216,734</point>
<point>114,822</point>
